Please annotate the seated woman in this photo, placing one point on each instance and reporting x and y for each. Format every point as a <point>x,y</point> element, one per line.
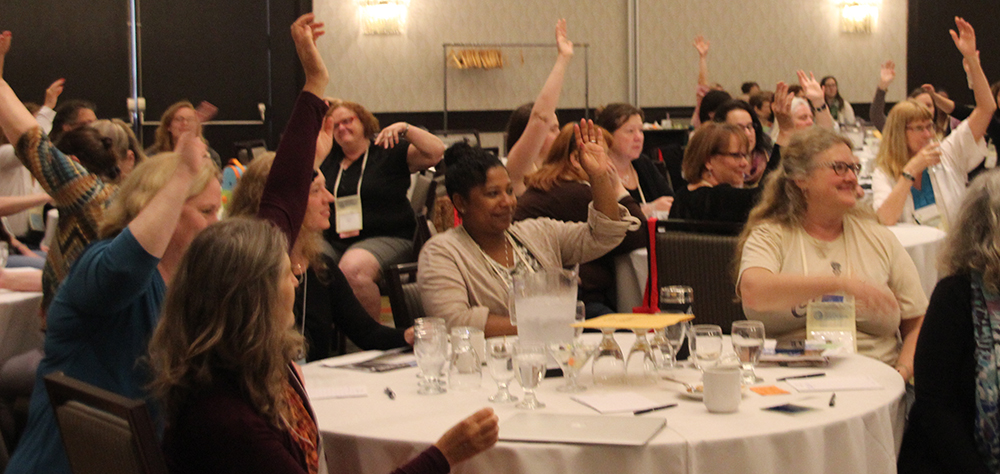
<point>741,114</point>
<point>532,127</point>
<point>182,117</point>
<point>808,237</point>
<point>464,273</point>
<point>715,163</point>
<point>369,170</point>
<point>636,171</point>
<point>955,363</point>
<point>904,189</point>
<point>222,357</point>
<point>840,109</point>
<point>324,297</point>
<point>559,190</point>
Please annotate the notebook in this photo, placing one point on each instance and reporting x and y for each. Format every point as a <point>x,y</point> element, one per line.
<point>581,429</point>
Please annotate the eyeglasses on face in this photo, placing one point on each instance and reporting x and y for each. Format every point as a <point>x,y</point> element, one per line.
<point>346,122</point>
<point>841,167</point>
<point>920,128</point>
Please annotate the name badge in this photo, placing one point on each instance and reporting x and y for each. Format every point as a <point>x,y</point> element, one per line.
<point>350,219</point>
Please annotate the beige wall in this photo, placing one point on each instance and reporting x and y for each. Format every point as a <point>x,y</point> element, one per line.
<point>764,41</point>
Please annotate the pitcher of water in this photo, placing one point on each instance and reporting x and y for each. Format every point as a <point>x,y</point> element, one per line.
<point>543,305</point>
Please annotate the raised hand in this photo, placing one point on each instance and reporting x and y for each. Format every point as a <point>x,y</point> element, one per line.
<point>193,151</point>
<point>305,31</point>
<point>389,136</point>
<point>205,111</point>
<point>810,87</point>
<point>701,44</point>
<point>782,106</point>
<point>470,437</point>
<point>5,39</point>
<point>965,38</point>
<point>886,75</point>
<point>53,92</point>
<point>592,150</point>
<point>563,44</point>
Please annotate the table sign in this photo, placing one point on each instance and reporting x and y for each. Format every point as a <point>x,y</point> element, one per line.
<point>634,321</point>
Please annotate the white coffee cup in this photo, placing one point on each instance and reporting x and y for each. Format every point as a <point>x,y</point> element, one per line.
<point>722,389</point>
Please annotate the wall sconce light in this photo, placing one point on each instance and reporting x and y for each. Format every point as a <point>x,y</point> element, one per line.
<point>858,16</point>
<point>383,17</point>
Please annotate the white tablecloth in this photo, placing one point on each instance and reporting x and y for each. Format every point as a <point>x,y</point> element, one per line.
<point>922,243</point>
<point>19,323</point>
<point>861,434</point>
<point>631,272</point>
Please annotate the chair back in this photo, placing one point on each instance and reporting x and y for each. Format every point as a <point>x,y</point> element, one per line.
<point>103,432</point>
<point>404,297</point>
<point>700,254</point>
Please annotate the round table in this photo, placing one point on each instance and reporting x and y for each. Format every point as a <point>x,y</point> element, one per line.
<point>922,243</point>
<point>375,434</point>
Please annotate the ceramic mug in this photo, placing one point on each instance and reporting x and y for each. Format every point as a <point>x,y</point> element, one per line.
<point>722,389</point>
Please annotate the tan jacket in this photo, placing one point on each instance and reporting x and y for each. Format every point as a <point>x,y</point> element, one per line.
<point>457,283</point>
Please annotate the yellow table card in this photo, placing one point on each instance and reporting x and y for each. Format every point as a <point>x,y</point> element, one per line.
<point>634,321</point>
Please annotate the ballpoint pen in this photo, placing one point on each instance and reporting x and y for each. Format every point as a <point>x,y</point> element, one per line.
<point>389,393</point>
<point>647,410</point>
<point>833,399</point>
<point>801,376</point>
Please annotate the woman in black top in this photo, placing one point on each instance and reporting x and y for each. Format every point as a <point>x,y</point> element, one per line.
<point>716,165</point>
<point>636,171</point>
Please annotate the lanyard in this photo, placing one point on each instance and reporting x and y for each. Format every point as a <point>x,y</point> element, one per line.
<point>340,173</point>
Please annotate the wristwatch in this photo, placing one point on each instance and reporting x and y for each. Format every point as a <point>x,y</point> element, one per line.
<point>821,108</point>
<point>908,176</point>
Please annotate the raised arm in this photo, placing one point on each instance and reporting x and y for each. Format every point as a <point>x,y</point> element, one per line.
<point>523,156</point>
<point>701,44</point>
<point>945,104</point>
<point>782,108</point>
<point>14,118</point>
<point>286,191</point>
<point>876,112</point>
<point>595,162</point>
<point>5,38</point>
<point>965,41</point>
<point>425,149</point>
<point>814,92</point>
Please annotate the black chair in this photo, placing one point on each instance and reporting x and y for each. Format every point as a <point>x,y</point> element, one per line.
<point>404,297</point>
<point>699,254</point>
<point>103,432</point>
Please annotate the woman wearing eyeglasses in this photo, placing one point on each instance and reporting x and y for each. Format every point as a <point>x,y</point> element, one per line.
<point>918,179</point>
<point>808,238</point>
<point>716,165</point>
<point>762,160</point>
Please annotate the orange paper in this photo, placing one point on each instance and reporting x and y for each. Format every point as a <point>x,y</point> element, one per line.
<point>769,390</point>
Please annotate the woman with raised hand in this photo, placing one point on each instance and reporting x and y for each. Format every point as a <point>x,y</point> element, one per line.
<point>948,429</point>
<point>183,117</point>
<point>905,187</point>
<point>464,273</point>
<point>808,237</point>
<point>533,126</point>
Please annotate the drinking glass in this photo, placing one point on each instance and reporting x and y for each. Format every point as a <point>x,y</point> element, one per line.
<point>609,363</point>
<point>640,368</point>
<point>529,365</point>
<point>430,347</point>
<point>669,341</point>
<point>706,344</point>
<point>748,342</point>
<point>581,316</point>
<point>571,356</point>
<point>500,360</point>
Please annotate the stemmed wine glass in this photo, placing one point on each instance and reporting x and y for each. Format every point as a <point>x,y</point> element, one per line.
<point>748,342</point>
<point>609,363</point>
<point>706,344</point>
<point>529,364</point>
<point>674,337</point>
<point>500,359</point>
<point>640,367</point>
<point>571,356</point>
<point>430,347</point>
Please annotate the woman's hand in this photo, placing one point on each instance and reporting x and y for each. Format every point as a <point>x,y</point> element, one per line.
<point>563,44</point>
<point>929,155</point>
<point>591,149</point>
<point>193,151</point>
<point>886,75</point>
<point>871,299</point>
<point>811,88</point>
<point>660,205</point>
<point>389,136</point>
<point>53,92</point>
<point>701,44</point>
<point>5,39</point>
<point>205,111</point>
<point>305,31</point>
<point>782,107</point>
<point>965,38</point>
<point>470,437</point>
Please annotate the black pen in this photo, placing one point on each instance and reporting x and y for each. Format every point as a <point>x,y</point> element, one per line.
<point>833,399</point>
<point>662,407</point>
<point>821,374</point>
<point>389,393</point>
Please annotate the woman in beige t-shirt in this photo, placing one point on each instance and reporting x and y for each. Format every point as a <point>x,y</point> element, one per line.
<point>808,237</point>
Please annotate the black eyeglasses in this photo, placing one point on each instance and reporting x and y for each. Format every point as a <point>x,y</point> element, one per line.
<point>841,167</point>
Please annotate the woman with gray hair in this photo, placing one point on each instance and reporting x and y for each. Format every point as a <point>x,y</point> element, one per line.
<point>952,426</point>
<point>809,238</point>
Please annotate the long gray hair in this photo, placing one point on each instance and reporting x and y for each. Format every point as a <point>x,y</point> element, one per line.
<point>974,242</point>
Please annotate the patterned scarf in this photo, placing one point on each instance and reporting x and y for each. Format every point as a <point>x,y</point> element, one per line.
<point>986,324</point>
<point>303,428</point>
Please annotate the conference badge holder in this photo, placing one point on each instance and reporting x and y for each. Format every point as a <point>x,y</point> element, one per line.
<point>349,216</point>
<point>832,318</point>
